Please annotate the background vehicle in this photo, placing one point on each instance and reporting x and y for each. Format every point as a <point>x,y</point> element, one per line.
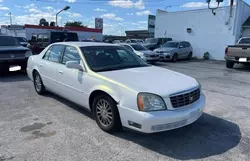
<point>40,41</point>
<point>239,53</point>
<point>153,43</point>
<point>139,41</point>
<point>143,52</point>
<point>117,86</point>
<point>12,53</point>
<point>174,50</point>
<point>23,41</point>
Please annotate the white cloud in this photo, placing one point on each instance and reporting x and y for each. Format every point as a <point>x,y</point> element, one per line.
<point>1,0</point>
<point>130,14</point>
<point>73,15</point>
<point>33,10</point>
<point>135,24</point>
<point>70,1</point>
<point>194,5</point>
<point>112,16</point>
<point>146,12</point>
<point>100,10</point>
<point>142,22</point>
<point>127,4</point>
<point>48,8</point>
<point>203,4</point>
<point>30,6</point>
<point>4,8</point>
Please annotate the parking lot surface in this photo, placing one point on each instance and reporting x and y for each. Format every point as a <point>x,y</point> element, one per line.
<point>49,128</point>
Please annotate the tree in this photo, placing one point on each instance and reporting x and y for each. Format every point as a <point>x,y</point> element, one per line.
<point>74,24</point>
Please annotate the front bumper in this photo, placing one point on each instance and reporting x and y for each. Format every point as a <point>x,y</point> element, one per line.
<point>165,57</point>
<point>19,61</point>
<point>151,122</point>
<point>151,59</point>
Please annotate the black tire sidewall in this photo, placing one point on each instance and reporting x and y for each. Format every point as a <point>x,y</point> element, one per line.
<point>175,57</point>
<point>190,55</point>
<point>116,123</point>
<point>229,64</point>
<point>42,86</point>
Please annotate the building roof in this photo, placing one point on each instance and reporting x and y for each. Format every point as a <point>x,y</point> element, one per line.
<point>84,44</point>
<point>86,29</point>
<point>246,23</point>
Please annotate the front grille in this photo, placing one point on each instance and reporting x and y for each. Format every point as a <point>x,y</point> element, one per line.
<point>14,54</point>
<point>153,56</point>
<point>161,52</point>
<point>185,98</point>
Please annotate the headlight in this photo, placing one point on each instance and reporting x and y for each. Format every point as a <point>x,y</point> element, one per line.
<point>28,54</point>
<point>150,102</point>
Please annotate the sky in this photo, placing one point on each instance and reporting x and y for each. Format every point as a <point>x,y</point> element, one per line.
<point>118,15</point>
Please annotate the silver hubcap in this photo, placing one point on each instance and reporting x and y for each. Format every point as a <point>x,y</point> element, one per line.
<point>104,112</point>
<point>38,83</point>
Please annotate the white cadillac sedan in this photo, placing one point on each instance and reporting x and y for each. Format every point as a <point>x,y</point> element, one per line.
<point>117,86</point>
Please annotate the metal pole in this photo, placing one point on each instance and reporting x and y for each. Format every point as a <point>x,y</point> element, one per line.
<point>10,19</point>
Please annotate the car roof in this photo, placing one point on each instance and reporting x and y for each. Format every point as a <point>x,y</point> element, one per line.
<point>85,44</point>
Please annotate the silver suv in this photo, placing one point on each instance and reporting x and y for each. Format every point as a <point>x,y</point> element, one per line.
<point>174,50</point>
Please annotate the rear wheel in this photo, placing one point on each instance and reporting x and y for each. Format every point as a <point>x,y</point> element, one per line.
<point>174,58</point>
<point>38,84</point>
<point>106,113</point>
<point>230,64</point>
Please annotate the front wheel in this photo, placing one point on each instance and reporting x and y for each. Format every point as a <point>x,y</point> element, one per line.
<point>190,55</point>
<point>174,58</point>
<point>230,64</point>
<point>106,113</point>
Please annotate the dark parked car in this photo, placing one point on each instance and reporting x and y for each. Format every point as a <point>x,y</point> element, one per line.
<point>40,41</point>
<point>153,43</point>
<point>12,53</point>
<point>23,41</point>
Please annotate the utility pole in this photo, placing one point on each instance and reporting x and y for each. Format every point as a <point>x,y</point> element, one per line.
<point>10,18</point>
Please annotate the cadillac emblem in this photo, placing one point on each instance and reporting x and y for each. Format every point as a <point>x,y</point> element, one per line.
<point>191,98</point>
<point>12,56</point>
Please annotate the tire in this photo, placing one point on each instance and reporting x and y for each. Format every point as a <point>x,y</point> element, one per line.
<point>230,64</point>
<point>38,84</point>
<point>175,58</point>
<point>190,55</point>
<point>106,113</point>
<point>4,68</point>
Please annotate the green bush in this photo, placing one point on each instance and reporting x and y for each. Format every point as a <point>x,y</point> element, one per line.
<point>206,55</point>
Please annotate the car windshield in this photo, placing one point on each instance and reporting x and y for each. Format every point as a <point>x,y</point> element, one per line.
<point>245,41</point>
<point>21,39</point>
<point>151,40</point>
<point>139,47</point>
<point>171,45</point>
<point>8,41</point>
<point>108,58</point>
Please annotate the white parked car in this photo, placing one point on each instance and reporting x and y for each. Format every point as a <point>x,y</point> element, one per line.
<point>117,86</point>
<point>142,52</point>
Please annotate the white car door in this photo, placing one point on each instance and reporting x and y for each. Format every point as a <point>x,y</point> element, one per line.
<point>72,82</point>
<point>48,66</point>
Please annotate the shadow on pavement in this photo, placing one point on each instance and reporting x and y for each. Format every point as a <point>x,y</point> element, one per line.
<point>14,76</point>
<point>208,136</point>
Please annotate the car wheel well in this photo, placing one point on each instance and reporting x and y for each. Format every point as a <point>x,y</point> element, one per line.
<point>94,94</point>
<point>33,72</point>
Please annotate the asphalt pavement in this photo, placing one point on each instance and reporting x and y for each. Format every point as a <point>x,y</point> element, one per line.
<point>49,128</point>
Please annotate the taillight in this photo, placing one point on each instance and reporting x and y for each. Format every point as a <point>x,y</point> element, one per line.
<point>226,51</point>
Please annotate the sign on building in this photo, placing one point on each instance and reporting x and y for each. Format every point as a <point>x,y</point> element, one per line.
<point>98,23</point>
<point>151,25</point>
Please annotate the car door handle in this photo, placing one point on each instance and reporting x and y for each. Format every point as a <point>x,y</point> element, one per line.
<point>60,72</point>
<point>41,65</point>
<point>244,48</point>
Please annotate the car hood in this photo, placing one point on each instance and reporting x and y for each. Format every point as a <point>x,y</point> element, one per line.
<point>4,48</point>
<point>152,79</point>
<point>166,49</point>
<point>149,44</point>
